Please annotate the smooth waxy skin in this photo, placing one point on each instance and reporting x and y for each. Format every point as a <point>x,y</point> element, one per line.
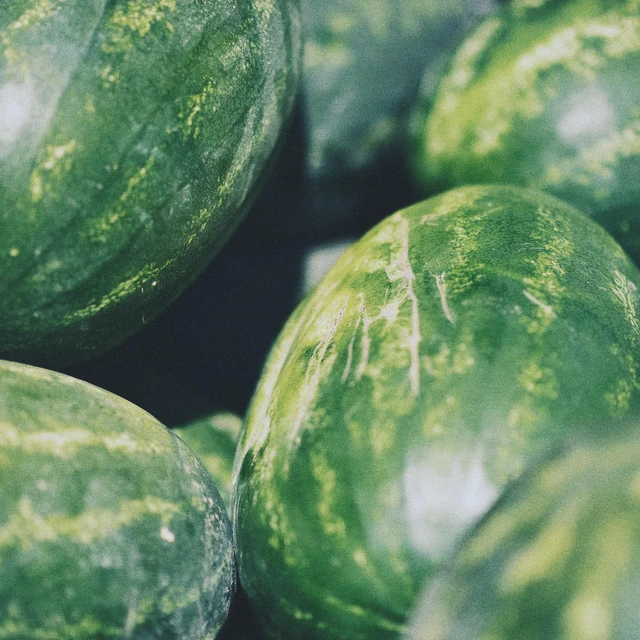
<point>131,134</point>
<point>360,81</point>
<point>544,94</point>
<point>110,527</point>
<point>442,352</point>
<point>558,558</point>
<point>214,440</point>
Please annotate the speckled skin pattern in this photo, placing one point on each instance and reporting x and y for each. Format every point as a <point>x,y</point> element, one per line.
<point>110,527</point>
<point>544,94</point>
<point>132,134</point>
<point>442,352</point>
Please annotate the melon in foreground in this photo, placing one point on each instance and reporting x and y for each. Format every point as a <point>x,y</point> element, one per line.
<point>132,136</point>
<point>443,351</point>
<point>110,527</point>
<point>544,94</point>
<point>557,558</point>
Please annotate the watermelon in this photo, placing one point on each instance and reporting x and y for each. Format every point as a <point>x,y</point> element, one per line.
<point>363,64</point>
<point>343,167</point>
<point>132,136</point>
<point>441,353</point>
<point>214,439</point>
<point>544,94</point>
<point>110,527</point>
<point>558,557</point>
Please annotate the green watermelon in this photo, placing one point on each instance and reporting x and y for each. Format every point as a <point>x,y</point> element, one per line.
<point>558,558</point>
<point>363,63</point>
<point>110,527</point>
<point>132,134</point>
<point>442,352</point>
<point>214,440</point>
<point>544,94</point>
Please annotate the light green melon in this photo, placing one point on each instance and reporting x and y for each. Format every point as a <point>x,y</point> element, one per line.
<point>558,558</point>
<point>544,94</point>
<point>442,352</point>
<point>110,527</point>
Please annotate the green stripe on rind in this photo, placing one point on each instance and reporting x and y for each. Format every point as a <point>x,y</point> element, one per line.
<point>124,538</point>
<point>122,189</point>
<point>558,556</point>
<point>440,354</point>
<point>542,95</point>
<point>214,439</point>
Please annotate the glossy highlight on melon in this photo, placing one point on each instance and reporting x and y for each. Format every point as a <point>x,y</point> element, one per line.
<point>445,349</point>
<point>110,527</point>
<point>557,558</point>
<point>132,135</point>
<point>545,95</point>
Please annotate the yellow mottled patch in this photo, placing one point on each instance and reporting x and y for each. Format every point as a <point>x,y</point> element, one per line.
<point>588,617</point>
<point>619,398</point>
<point>26,527</point>
<point>86,627</point>
<point>325,476</point>
<point>544,556</point>
<point>488,538</point>
<point>39,11</point>
<point>360,557</point>
<point>520,92</point>
<point>438,417</point>
<point>538,381</point>
<point>101,227</point>
<point>324,55</point>
<point>192,115</point>
<point>521,416</point>
<point>68,441</point>
<point>634,486</point>
<point>439,138</point>
<point>121,290</point>
<point>135,20</point>
<point>177,599</point>
<point>57,163</point>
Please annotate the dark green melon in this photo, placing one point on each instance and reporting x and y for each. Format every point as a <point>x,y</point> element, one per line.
<point>362,67</point>
<point>444,351</point>
<point>214,440</point>
<point>132,133</point>
<point>558,558</point>
<point>110,527</point>
<point>544,94</point>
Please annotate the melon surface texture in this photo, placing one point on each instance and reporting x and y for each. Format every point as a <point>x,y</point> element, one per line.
<point>545,95</point>
<point>132,134</point>
<point>444,350</point>
<point>558,556</point>
<point>110,527</point>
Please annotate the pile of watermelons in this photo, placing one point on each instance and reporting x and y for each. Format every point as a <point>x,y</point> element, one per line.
<point>444,440</point>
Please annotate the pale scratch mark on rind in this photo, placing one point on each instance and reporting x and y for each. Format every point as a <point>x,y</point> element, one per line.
<point>442,290</point>
<point>366,340</point>
<point>314,370</point>
<point>347,367</point>
<point>546,308</point>
<point>412,342</point>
